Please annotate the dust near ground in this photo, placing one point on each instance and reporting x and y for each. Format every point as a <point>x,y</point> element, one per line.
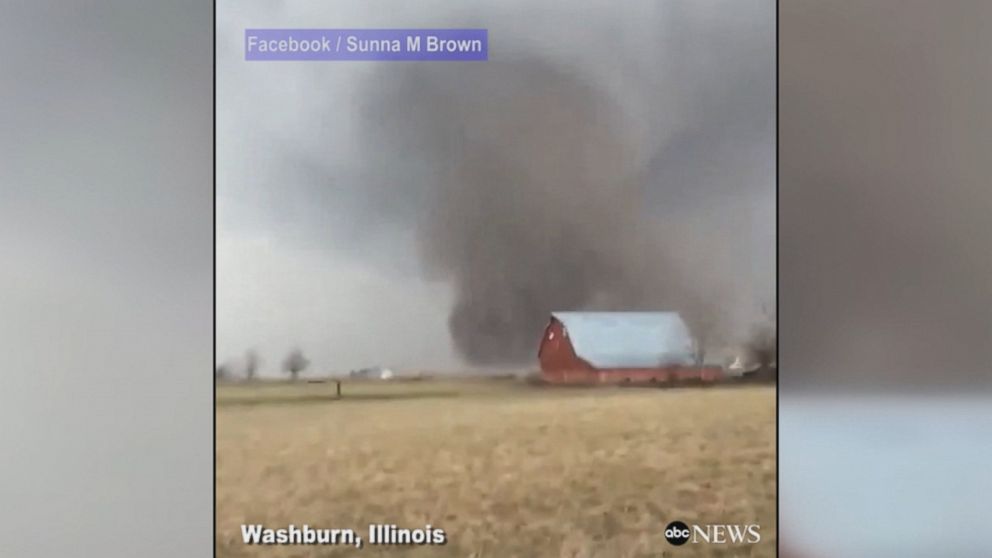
<point>505,469</point>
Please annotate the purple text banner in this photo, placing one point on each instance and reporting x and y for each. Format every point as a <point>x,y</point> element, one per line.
<point>366,44</point>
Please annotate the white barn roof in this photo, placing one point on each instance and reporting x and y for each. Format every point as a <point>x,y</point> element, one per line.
<point>628,339</point>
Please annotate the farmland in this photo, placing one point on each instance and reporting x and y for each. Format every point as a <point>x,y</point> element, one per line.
<point>504,468</point>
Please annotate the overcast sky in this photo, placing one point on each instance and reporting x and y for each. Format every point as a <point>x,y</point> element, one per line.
<point>313,251</point>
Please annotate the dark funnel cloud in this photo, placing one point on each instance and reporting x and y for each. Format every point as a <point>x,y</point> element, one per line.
<point>533,206</point>
<point>537,197</point>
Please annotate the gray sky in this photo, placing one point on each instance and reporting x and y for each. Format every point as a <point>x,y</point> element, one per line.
<point>320,214</point>
<point>105,317</point>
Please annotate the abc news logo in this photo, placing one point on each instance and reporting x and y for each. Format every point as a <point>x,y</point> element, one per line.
<point>678,533</point>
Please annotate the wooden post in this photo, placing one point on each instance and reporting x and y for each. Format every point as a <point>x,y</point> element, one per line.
<point>338,382</point>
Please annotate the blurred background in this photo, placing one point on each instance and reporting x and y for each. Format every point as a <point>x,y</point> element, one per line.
<point>885,277</point>
<point>106,272</point>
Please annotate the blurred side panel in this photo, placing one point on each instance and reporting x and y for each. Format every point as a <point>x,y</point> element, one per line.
<point>106,279</point>
<point>885,277</point>
<point>885,192</point>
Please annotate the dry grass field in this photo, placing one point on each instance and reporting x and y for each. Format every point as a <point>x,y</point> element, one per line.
<point>505,469</point>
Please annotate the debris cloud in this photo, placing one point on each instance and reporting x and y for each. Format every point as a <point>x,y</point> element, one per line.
<point>536,201</point>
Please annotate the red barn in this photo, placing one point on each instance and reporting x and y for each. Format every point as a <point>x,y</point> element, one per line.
<point>619,347</point>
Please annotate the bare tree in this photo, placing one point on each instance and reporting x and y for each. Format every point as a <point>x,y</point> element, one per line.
<point>251,364</point>
<point>295,363</point>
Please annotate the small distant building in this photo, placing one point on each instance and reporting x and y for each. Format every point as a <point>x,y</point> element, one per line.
<point>374,373</point>
<point>620,347</point>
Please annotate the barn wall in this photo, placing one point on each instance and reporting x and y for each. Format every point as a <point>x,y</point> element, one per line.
<point>632,375</point>
<point>556,352</point>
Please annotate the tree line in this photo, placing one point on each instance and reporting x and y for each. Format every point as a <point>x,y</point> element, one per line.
<point>294,363</point>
